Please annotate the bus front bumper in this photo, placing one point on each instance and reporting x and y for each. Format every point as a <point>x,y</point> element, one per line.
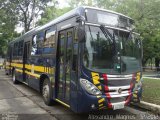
<point>87,102</point>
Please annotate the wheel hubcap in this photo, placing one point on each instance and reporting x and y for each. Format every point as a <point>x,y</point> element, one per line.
<point>46,92</point>
<point>14,77</point>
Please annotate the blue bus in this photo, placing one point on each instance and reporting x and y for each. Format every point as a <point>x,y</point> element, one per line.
<point>87,59</point>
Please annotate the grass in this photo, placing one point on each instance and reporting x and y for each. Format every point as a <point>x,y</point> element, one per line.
<point>151,91</point>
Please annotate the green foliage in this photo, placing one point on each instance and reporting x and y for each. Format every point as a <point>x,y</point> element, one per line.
<point>26,10</point>
<point>7,25</point>
<point>151,91</point>
<point>15,12</point>
<point>76,3</point>
<point>51,13</point>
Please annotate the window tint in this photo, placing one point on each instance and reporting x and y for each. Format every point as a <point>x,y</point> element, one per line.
<point>20,48</point>
<point>61,60</point>
<point>37,44</point>
<point>34,45</point>
<point>49,42</point>
<point>68,62</point>
<point>15,53</point>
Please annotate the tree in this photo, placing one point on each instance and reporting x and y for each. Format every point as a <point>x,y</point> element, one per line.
<point>27,10</point>
<point>7,25</point>
<point>76,3</point>
<point>52,12</point>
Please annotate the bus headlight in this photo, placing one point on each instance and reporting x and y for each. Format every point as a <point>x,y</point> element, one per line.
<point>89,87</point>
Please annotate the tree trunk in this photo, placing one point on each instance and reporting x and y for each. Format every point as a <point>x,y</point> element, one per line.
<point>144,61</point>
<point>157,63</point>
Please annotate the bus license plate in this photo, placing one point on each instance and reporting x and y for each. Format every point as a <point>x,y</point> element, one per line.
<point>118,106</point>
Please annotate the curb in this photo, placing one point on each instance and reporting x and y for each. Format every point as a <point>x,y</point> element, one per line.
<point>151,78</point>
<point>148,106</point>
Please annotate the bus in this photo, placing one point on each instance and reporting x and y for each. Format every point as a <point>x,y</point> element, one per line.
<point>87,59</point>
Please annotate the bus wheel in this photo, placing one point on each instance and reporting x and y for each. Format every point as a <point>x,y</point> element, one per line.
<point>14,77</point>
<point>7,73</point>
<point>46,92</point>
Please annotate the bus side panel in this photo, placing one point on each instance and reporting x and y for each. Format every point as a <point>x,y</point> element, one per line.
<point>36,69</point>
<point>49,69</point>
<point>19,71</point>
<point>49,56</point>
<point>17,66</point>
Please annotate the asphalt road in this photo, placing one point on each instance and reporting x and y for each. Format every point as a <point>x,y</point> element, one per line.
<point>24,103</point>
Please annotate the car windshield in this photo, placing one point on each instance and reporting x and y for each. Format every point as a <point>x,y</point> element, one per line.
<point>111,52</point>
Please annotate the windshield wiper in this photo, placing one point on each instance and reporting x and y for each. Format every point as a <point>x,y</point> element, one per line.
<point>107,34</point>
<point>111,39</point>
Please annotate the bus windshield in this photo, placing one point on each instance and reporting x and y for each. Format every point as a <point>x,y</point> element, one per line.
<point>111,52</point>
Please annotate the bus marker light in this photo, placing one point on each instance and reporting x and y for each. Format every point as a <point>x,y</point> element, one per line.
<point>93,106</point>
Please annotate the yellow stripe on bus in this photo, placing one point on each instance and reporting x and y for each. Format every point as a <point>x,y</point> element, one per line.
<point>101,100</point>
<point>99,87</point>
<point>39,68</point>
<point>17,65</point>
<point>96,78</point>
<point>35,68</point>
<point>100,105</point>
<point>8,67</point>
<point>62,103</point>
<point>19,70</point>
<point>35,75</point>
<point>29,73</point>
<point>27,66</point>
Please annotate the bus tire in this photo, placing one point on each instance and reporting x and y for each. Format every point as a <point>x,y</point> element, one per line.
<point>14,80</point>
<point>46,92</point>
<point>7,73</point>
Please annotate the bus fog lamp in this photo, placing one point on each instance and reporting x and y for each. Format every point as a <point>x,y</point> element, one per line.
<point>93,106</point>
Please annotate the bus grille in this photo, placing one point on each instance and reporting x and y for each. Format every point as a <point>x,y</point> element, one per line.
<point>118,99</point>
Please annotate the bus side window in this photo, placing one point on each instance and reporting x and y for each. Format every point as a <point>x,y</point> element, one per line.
<point>49,42</point>
<point>37,44</point>
<point>20,48</point>
<point>15,52</point>
<point>34,45</point>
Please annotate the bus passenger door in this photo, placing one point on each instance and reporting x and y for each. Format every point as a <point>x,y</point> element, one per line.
<point>25,60</point>
<point>65,44</point>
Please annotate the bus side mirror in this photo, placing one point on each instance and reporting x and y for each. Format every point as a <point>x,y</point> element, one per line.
<point>81,34</point>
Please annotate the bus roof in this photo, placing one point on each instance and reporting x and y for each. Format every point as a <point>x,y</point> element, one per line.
<point>110,11</point>
<point>74,12</point>
<point>78,11</point>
